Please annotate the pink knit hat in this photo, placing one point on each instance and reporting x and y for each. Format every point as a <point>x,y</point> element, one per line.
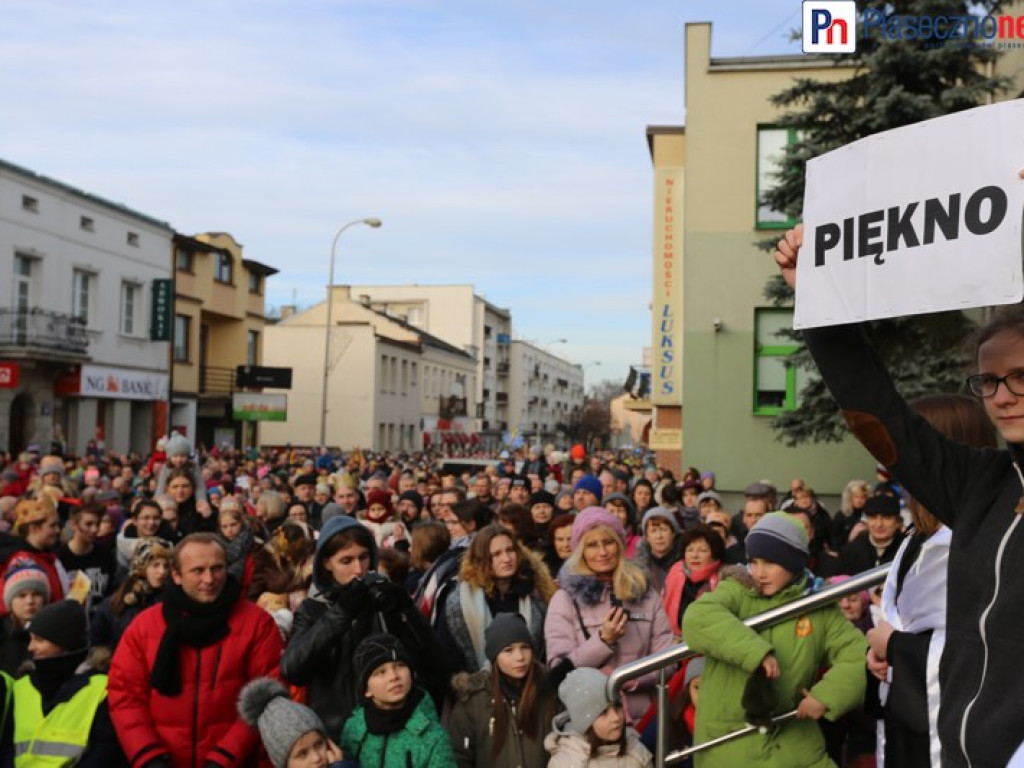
<point>593,517</point>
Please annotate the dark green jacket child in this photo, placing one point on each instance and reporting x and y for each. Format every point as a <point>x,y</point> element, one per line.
<point>397,725</point>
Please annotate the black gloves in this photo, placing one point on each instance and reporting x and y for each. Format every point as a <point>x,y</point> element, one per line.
<point>386,595</point>
<point>353,598</point>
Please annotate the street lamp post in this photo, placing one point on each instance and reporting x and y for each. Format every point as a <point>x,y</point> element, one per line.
<point>375,223</point>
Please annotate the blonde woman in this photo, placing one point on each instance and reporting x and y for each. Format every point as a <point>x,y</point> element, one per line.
<point>847,523</point>
<point>606,614</point>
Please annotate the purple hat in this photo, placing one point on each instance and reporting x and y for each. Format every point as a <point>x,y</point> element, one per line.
<point>589,483</point>
<point>593,517</point>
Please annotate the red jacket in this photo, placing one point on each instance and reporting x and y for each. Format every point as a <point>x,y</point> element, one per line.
<point>201,723</point>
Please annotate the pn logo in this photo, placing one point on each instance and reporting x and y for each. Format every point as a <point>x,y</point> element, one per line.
<point>830,26</point>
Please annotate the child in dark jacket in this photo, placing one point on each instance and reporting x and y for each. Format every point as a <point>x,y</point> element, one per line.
<point>291,733</point>
<point>397,725</point>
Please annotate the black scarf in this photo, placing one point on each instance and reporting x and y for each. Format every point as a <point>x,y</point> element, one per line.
<point>192,623</point>
<point>50,674</point>
<point>381,722</point>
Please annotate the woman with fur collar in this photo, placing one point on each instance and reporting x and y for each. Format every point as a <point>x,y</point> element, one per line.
<point>497,575</point>
<point>606,613</point>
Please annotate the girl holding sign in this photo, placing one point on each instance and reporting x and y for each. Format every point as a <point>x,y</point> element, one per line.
<point>978,493</point>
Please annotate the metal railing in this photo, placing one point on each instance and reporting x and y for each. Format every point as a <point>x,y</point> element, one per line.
<point>216,380</point>
<point>661,662</point>
<point>42,329</point>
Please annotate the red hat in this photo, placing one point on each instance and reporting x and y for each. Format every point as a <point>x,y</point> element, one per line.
<point>380,497</point>
<point>577,452</point>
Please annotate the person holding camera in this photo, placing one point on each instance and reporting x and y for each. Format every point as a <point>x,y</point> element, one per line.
<point>606,612</point>
<point>349,603</point>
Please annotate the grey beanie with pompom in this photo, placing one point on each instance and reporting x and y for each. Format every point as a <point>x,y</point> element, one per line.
<point>264,704</point>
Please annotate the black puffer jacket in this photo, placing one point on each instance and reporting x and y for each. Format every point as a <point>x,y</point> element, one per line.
<point>325,635</point>
<point>979,494</point>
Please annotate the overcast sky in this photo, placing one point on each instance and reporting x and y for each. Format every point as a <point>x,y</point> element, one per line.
<point>502,143</point>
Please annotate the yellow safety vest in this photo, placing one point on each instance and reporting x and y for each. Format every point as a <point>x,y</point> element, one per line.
<point>61,737</point>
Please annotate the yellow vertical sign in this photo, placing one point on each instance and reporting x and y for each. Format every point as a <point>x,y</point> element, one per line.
<point>667,308</point>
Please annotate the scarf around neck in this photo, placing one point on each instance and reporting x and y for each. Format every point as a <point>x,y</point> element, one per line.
<point>381,722</point>
<point>190,623</point>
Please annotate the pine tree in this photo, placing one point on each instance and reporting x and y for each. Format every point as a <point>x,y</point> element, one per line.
<point>892,83</point>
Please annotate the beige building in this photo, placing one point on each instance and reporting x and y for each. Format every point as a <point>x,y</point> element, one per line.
<point>219,324</point>
<point>389,381</point>
<point>468,321</point>
<point>719,367</point>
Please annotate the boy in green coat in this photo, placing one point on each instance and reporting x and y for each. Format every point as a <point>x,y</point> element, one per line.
<point>397,725</point>
<point>790,654</point>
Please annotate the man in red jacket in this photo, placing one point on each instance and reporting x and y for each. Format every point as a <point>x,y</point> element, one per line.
<point>178,670</point>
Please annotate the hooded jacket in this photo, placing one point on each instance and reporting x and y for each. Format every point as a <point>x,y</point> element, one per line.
<point>472,727</point>
<point>977,492</point>
<point>575,635</point>
<point>324,637</point>
<point>713,625</point>
<point>570,749</point>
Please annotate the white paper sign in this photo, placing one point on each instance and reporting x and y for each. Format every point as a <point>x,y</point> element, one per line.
<point>920,219</point>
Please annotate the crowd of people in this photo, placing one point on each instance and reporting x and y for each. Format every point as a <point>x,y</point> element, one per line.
<point>217,609</point>
<point>203,610</point>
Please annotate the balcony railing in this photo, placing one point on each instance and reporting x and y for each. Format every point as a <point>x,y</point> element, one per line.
<point>44,330</point>
<point>216,380</point>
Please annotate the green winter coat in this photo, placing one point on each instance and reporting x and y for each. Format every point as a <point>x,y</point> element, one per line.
<point>422,743</point>
<point>823,638</point>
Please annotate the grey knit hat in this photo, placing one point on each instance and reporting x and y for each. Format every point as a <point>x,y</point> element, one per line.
<point>779,538</point>
<point>505,629</point>
<point>585,695</point>
<point>694,669</point>
<point>662,513</point>
<point>371,653</point>
<point>178,446</point>
<point>264,704</point>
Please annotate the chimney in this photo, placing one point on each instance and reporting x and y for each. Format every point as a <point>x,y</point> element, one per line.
<point>287,310</point>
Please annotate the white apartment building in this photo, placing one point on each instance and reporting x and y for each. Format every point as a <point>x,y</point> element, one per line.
<point>545,393</point>
<point>76,360</point>
<point>389,382</point>
<point>469,322</point>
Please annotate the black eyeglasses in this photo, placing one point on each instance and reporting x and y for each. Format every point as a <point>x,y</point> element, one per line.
<point>986,385</point>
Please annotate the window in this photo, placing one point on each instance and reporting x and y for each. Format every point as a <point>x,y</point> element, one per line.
<point>22,295</point>
<point>415,316</point>
<point>182,332</point>
<point>412,375</point>
<point>252,348</point>
<point>30,204</point>
<point>129,305</point>
<point>132,238</point>
<point>222,269</point>
<point>405,378</point>
<point>777,382</point>
<point>81,285</point>
<point>254,283</point>
<point>87,224</point>
<point>183,260</point>
<point>771,147</point>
